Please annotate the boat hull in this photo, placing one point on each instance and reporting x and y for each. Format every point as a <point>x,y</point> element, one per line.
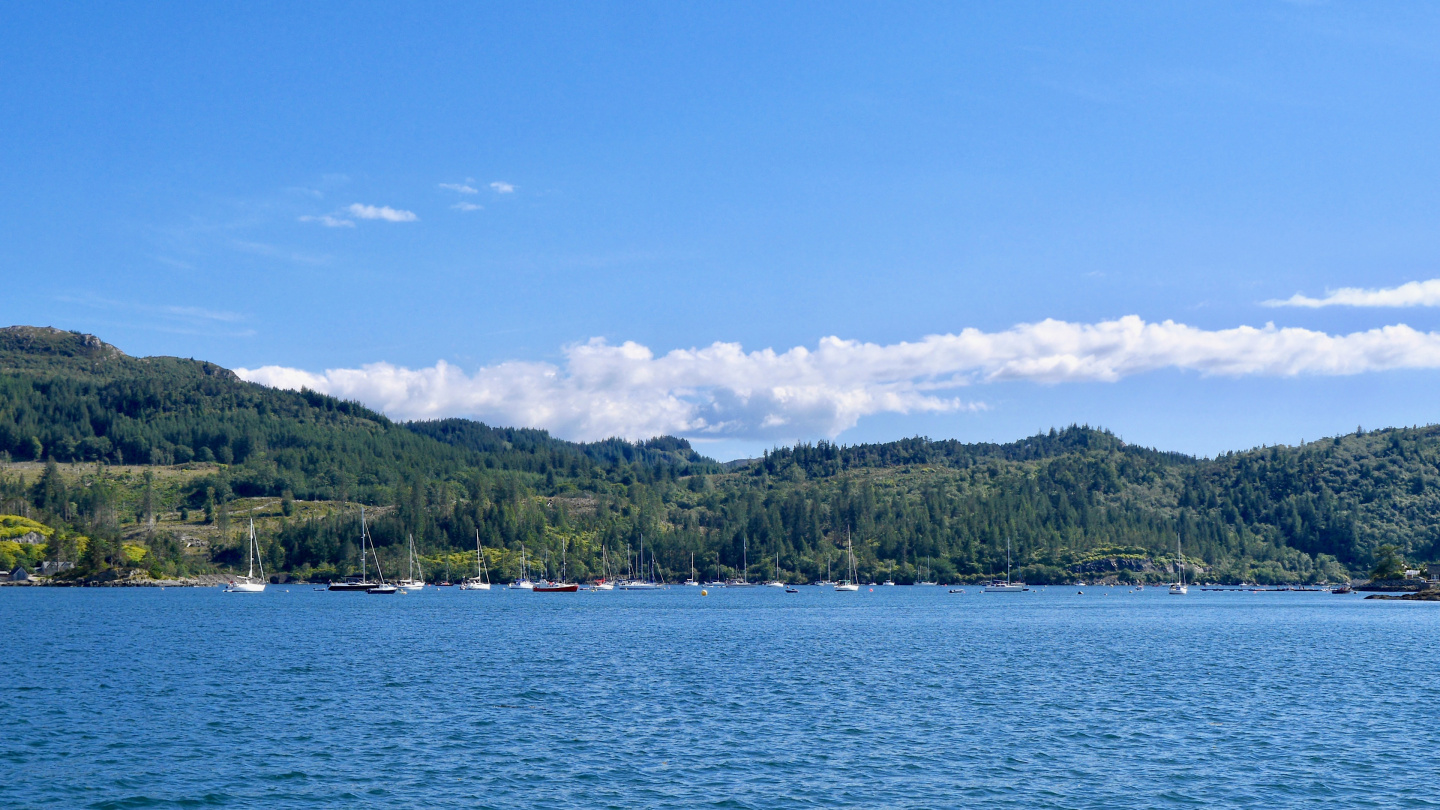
<point>351,586</point>
<point>1003,588</point>
<point>474,586</point>
<point>246,587</point>
<point>564,588</point>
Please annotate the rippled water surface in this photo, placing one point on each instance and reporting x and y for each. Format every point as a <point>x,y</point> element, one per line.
<point>899,697</point>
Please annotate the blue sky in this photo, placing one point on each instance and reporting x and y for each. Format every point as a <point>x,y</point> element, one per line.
<point>552,199</point>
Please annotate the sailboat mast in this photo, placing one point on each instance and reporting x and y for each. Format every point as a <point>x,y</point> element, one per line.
<point>363,532</point>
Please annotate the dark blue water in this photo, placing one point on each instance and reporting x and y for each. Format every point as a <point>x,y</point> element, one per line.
<point>900,697</point>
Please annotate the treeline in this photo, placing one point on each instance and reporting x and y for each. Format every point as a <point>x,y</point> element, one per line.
<point>915,509</point>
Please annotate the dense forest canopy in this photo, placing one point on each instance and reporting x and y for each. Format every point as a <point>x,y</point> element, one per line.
<point>1076,502</point>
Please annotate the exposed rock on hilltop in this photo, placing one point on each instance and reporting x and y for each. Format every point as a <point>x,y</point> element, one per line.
<point>47,340</point>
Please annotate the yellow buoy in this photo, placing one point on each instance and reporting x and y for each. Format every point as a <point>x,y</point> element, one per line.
<point>704,592</point>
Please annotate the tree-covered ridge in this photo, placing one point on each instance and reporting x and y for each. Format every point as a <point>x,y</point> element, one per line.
<point>826,458</point>
<point>1076,502</point>
<point>534,450</point>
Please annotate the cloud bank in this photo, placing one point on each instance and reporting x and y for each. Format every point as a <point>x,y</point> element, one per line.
<point>1410,294</point>
<point>384,212</point>
<point>723,391</point>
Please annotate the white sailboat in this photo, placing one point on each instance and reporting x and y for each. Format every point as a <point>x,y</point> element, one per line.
<point>853,583</point>
<point>523,583</point>
<point>250,583</point>
<point>1179,588</point>
<point>414,576</point>
<point>1007,586</point>
<point>692,580</point>
<point>481,580</point>
<point>742,581</point>
<point>776,582</point>
<point>603,583</point>
<point>641,584</point>
<point>384,588</point>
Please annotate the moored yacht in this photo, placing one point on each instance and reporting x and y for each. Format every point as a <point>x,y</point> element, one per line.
<point>1007,586</point>
<point>360,582</point>
<point>776,582</point>
<point>481,580</point>
<point>523,583</point>
<point>250,583</point>
<point>852,584</point>
<point>414,576</point>
<point>641,584</point>
<point>1178,587</point>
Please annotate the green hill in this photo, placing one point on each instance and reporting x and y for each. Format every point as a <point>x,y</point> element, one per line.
<point>171,453</point>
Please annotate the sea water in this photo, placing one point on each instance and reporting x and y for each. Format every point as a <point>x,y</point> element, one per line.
<point>890,697</point>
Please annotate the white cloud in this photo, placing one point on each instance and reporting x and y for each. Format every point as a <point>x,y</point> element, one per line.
<point>329,221</point>
<point>1411,294</point>
<point>461,188</point>
<point>466,206</point>
<point>384,212</point>
<point>723,391</point>
<point>502,187</point>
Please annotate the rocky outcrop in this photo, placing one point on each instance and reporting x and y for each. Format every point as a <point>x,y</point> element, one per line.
<point>1393,585</point>
<point>52,341</point>
<point>1427,595</point>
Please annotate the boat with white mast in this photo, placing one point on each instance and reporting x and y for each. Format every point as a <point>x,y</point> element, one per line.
<point>996,586</point>
<point>777,582</point>
<point>412,582</point>
<point>742,581</point>
<point>604,582</point>
<point>557,585</point>
<point>250,583</point>
<point>481,580</point>
<point>361,582</point>
<point>1178,587</point>
<point>853,583</point>
<point>692,580</point>
<point>523,583</point>
<point>643,583</point>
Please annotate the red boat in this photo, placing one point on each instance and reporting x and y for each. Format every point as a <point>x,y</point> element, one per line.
<point>556,587</point>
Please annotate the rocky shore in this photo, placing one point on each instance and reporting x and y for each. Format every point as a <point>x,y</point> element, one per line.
<point>1430,595</point>
<point>129,579</point>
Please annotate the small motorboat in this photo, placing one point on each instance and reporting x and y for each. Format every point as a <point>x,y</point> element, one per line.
<point>791,590</point>
<point>1340,589</point>
<point>383,590</point>
<point>957,590</point>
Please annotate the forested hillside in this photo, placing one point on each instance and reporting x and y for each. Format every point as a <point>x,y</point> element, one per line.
<point>155,460</point>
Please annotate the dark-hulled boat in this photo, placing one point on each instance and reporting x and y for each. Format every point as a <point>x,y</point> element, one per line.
<point>556,587</point>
